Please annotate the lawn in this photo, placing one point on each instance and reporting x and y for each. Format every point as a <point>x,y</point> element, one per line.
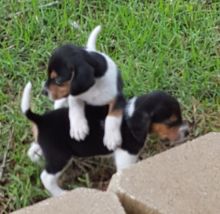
<point>167,45</point>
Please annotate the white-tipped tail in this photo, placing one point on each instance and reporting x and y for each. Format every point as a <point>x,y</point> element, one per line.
<point>91,43</point>
<point>26,98</point>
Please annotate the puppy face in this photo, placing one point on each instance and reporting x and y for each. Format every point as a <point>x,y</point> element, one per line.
<point>167,121</point>
<point>56,87</point>
<point>69,72</point>
<point>61,70</point>
<point>171,134</point>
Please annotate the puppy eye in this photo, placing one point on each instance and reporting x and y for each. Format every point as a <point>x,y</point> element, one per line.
<point>58,81</point>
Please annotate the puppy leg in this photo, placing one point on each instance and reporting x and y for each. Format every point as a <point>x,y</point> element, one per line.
<point>60,103</point>
<point>112,136</point>
<point>123,159</point>
<point>78,124</point>
<point>35,153</point>
<point>50,182</point>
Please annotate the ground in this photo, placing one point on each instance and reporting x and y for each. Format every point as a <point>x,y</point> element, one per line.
<point>167,45</point>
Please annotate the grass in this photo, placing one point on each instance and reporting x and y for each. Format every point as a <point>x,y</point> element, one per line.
<point>168,45</point>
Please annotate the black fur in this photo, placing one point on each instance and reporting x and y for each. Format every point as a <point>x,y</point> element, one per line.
<point>58,147</point>
<point>69,60</point>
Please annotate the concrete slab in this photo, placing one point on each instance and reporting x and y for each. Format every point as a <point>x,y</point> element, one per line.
<point>182,180</point>
<point>81,200</point>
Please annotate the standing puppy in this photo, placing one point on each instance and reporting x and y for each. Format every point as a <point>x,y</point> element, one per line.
<point>156,112</point>
<point>87,76</point>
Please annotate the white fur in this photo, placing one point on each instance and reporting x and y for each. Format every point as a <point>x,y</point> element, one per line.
<point>91,43</point>
<point>102,92</point>
<point>26,96</point>
<point>112,137</point>
<point>130,106</point>
<point>78,124</point>
<point>35,152</point>
<point>105,88</point>
<point>123,159</point>
<point>50,182</point>
<point>63,102</point>
<point>183,128</point>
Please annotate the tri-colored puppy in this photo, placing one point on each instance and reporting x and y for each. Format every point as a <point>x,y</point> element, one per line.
<point>156,112</point>
<point>87,76</point>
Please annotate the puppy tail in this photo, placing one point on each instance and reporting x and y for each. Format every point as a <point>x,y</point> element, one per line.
<point>25,104</point>
<point>91,43</point>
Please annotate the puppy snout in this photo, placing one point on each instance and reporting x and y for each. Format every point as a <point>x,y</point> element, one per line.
<point>45,92</point>
<point>185,130</point>
<point>186,133</point>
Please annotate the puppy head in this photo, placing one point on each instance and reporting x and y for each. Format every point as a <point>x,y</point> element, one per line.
<point>166,120</point>
<point>158,113</point>
<point>68,72</point>
<point>61,70</point>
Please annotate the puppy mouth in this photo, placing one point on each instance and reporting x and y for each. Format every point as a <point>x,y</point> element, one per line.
<point>169,143</point>
<point>50,97</point>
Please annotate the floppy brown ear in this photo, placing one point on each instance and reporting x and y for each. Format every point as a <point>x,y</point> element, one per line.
<point>139,124</point>
<point>83,79</point>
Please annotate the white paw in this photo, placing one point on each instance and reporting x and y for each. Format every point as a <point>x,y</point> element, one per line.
<point>35,152</point>
<point>79,129</point>
<point>112,139</point>
<point>60,103</point>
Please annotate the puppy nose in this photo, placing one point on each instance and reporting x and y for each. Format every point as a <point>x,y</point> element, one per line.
<point>45,92</point>
<point>186,133</point>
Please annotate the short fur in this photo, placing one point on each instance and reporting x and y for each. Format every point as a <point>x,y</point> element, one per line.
<point>139,118</point>
<point>87,76</point>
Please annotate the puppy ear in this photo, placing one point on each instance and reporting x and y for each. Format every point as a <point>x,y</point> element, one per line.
<point>83,79</point>
<point>139,124</point>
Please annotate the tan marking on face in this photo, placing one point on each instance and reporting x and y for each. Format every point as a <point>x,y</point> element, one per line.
<point>166,132</point>
<point>35,131</point>
<point>58,92</point>
<point>53,75</point>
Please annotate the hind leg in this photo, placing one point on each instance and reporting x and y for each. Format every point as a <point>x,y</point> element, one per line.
<point>50,182</point>
<point>35,152</point>
<point>124,159</point>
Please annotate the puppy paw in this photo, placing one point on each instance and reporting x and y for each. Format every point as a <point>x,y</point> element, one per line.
<point>35,152</point>
<point>112,139</point>
<point>79,129</point>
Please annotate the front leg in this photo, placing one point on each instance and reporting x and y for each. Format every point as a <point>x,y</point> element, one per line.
<point>78,124</point>
<point>112,136</point>
<point>60,103</point>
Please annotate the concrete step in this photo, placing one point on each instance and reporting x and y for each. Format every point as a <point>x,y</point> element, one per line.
<point>81,200</point>
<point>182,180</point>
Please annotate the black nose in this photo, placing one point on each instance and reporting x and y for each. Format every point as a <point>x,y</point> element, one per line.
<point>186,133</point>
<point>45,92</point>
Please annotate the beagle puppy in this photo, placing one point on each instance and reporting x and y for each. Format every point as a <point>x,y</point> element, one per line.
<point>87,76</point>
<point>156,112</point>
